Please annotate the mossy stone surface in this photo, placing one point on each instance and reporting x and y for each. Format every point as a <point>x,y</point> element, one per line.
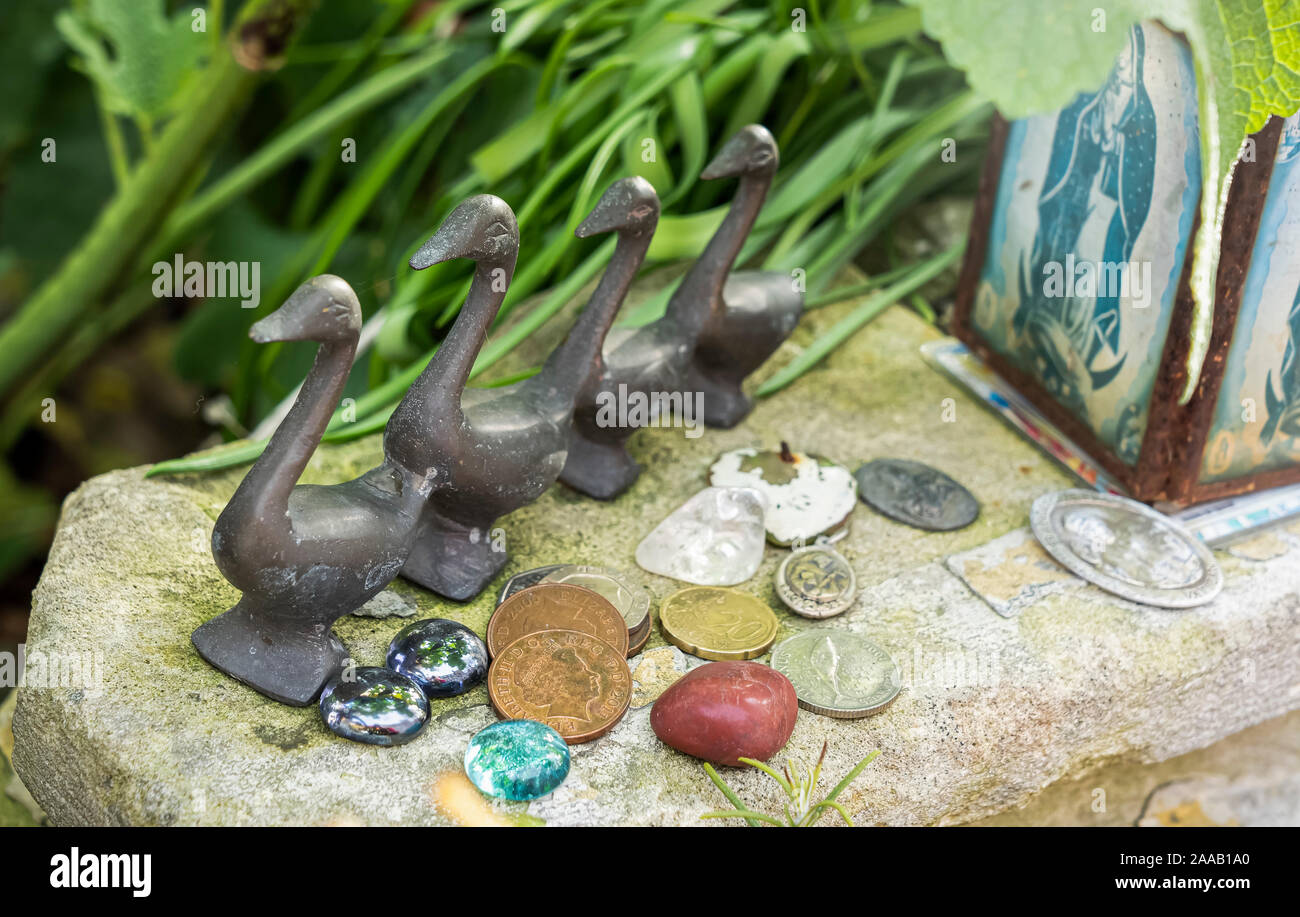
<point>993,709</point>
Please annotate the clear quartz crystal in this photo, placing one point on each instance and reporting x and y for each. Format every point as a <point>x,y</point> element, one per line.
<point>713,539</point>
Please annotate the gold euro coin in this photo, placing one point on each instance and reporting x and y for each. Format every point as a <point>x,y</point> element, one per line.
<point>716,623</point>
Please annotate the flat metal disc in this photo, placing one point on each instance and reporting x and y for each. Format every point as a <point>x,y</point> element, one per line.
<point>837,673</point>
<point>916,494</point>
<point>816,582</point>
<point>631,600</point>
<point>1126,548</point>
<point>524,580</point>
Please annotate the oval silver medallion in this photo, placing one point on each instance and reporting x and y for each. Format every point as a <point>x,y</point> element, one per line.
<point>1126,548</point>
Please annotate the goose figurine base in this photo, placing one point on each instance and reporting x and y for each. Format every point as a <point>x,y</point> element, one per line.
<point>599,469</point>
<point>451,559</point>
<point>286,663</point>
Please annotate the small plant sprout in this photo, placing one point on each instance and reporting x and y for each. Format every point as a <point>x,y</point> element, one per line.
<point>799,783</point>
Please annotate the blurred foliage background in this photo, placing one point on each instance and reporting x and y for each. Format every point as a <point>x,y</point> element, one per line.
<point>218,131</point>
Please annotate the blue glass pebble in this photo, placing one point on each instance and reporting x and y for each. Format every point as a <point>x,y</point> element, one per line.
<point>375,706</point>
<point>443,657</point>
<point>517,759</point>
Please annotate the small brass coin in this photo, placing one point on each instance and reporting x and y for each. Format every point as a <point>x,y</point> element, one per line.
<point>573,682</point>
<point>716,623</point>
<point>556,606</point>
<point>631,600</point>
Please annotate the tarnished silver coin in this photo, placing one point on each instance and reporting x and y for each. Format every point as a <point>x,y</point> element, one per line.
<point>1127,548</point>
<point>837,673</point>
<point>631,600</point>
<point>916,494</point>
<point>525,580</point>
<point>816,582</point>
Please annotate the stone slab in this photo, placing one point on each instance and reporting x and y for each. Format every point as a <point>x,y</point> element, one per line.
<point>993,709</point>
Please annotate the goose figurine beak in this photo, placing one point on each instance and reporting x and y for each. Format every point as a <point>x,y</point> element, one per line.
<point>268,329</point>
<point>624,204</point>
<point>285,323</point>
<point>736,156</point>
<point>446,244</point>
<point>729,161</point>
<point>605,218</point>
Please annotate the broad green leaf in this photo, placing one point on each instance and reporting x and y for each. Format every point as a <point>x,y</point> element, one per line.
<point>152,56</point>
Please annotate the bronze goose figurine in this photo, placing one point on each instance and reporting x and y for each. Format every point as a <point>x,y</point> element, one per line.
<point>491,451</point>
<point>305,555</point>
<point>717,328</point>
<point>746,314</point>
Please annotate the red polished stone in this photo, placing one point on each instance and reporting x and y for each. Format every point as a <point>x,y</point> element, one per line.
<point>723,711</point>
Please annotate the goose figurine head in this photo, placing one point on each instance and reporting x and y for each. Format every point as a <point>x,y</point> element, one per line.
<point>751,151</point>
<point>482,228</point>
<point>324,309</point>
<point>629,206</point>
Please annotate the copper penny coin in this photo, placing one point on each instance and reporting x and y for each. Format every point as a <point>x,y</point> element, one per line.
<point>556,606</point>
<point>573,682</point>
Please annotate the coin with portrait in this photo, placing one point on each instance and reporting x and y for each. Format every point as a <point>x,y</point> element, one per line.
<point>556,606</point>
<point>837,673</point>
<point>573,682</point>
<point>717,623</point>
<point>1126,548</point>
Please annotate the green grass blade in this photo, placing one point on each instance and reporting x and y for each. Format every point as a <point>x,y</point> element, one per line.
<point>240,453</point>
<point>850,777</point>
<point>731,794</point>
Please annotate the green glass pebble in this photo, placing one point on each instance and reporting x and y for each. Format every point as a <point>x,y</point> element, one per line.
<point>517,759</point>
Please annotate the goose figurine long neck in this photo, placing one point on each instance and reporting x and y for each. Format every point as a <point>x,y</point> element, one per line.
<point>482,228</point>
<point>497,449</point>
<point>746,314</point>
<point>630,207</point>
<point>323,310</point>
<point>752,155</point>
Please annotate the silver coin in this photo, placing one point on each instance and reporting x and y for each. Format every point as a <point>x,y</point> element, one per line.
<point>916,494</point>
<point>837,673</point>
<point>524,580</point>
<point>631,600</point>
<point>1127,548</point>
<point>816,582</point>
